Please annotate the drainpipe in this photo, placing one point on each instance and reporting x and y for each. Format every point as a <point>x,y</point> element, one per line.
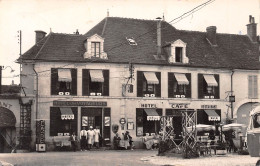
<point>36,113</point>
<point>232,72</point>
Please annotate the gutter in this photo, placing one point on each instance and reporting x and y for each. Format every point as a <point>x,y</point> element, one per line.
<point>37,78</point>
<point>232,72</point>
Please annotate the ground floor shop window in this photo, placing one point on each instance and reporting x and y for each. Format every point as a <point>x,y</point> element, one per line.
<point>63,121</point>
<point>210,117</point>
<point>148,121</point>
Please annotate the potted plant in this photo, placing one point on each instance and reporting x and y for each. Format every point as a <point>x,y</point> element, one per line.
<point>221,149</point>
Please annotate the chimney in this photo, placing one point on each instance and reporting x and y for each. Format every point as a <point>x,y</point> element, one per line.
<point>159,36</point>
<point>39,36</point>
<point>107,13</point>
<point>211,35</point>
<point>251,29</point>
<point>77,32</point>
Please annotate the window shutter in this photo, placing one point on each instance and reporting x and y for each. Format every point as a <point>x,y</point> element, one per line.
<point>139,88</point>
<point>255,89</point>
<point>54,114</point>
<point>139,118</point>
<point>74,82</point>
<point>106,83</point>
<point>74,122</point>
<point>217,87</point>
<point>250,86</point>
<point>170,85</point>
<point>107,128</point>
<point>85,82</point>
<point>54,81</point>
<point>158,86</point>
<point>200,86</point>
<point>188,90</point>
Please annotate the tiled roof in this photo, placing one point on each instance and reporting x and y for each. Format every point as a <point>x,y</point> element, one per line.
<point>233,51</point>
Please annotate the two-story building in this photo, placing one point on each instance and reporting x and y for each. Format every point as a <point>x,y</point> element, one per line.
<point>134,71</point>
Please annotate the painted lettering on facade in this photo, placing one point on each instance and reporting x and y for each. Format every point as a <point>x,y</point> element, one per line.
<point>6,105</point>
<point>209,106</point>
<point>180,105</point>
<point>79,103</point>
<point>148,105</point>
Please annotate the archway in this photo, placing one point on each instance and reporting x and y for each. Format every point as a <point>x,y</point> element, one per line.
<point>243,112</point>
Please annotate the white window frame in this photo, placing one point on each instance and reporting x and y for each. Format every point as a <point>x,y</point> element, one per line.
<point>174,45</point>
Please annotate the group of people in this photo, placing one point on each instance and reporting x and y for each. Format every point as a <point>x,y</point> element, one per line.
<point>87,138</point>
<point>128,141</point>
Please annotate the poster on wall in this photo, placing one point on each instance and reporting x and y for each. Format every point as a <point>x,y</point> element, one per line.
<point>84,121</point>
<point>130,124</point>
<point>139,131</point>
<point>107,121</point>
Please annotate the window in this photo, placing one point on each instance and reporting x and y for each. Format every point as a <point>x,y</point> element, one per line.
<point>95,49</point>
<point>63,81</point>
<point>179,85</point>
<point>95,82</point>
<point>148,84</point>
<point>148,121</point>
<point>252,87</point>
<point>61,126</point>
<point>208,86</point>
<point>178,54</point>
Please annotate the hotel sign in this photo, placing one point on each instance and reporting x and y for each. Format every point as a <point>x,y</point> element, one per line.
<point>79,103</point>
<point>209,106</point>
<point>148,106</point>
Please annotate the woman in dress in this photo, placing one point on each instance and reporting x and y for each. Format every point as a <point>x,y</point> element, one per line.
<point>97,135</point>
<point>90,134</point>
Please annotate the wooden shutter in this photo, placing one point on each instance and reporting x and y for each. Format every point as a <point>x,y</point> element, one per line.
<point>54,81</point>
<point>74,82</point>
<point>139,88</point>
<point>54,120</point>
<point>188,87</point>
<point>250,86</point>
<point>85,82</point>
<point>200,86</point>
<point>106,83</point>
<point>139,118</point>
<point>74,122</point>
<point>170,85</point>
<point>158,86</point>
<point>255,87</point>
<point>216,95</point>
<point>107,128</point>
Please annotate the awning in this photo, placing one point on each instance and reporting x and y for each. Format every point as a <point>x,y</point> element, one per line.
<point>64,75</point>
<point>212,115</point>
<point>152,115</point>
<point>7,118</point>
<point>151,78</point>
<point>96,75</point>
<point>66,113</point>
<point>210,79</point>
<point>181,79</point>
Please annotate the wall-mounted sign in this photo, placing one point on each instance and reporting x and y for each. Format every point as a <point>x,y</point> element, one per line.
<point>79,103</point>
<point>122,121</point>
<point>139,131</point>
<point>6,105</point>
<point>130,124</point>
<point>148,106</point>
<point>84,121</point>
<point>180,105</point>
<point>107,121</point>
<point>40,132</point>
<point>209,106</point>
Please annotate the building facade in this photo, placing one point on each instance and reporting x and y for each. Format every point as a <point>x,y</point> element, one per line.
<point>114,75</point>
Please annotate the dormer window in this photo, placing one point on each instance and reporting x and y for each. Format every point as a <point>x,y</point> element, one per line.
<point>95,49</point>
<point>177,52</point>
<point>94,46</point>
<point>131,41</point>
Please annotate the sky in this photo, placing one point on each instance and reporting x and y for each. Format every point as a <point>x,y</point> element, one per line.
<point>65,16</point>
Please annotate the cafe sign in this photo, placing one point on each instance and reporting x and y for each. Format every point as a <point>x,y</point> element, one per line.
<point>180,105</point>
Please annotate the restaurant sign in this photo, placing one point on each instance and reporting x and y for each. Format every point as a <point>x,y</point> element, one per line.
<point>209,106</point>
<point>79,103</point>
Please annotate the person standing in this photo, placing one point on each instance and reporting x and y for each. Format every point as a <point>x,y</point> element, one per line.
<point>90,135</point>
<point>83,138</point>
<point>128,140</point>
<point>73,140</point>
<point>97,135</point>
